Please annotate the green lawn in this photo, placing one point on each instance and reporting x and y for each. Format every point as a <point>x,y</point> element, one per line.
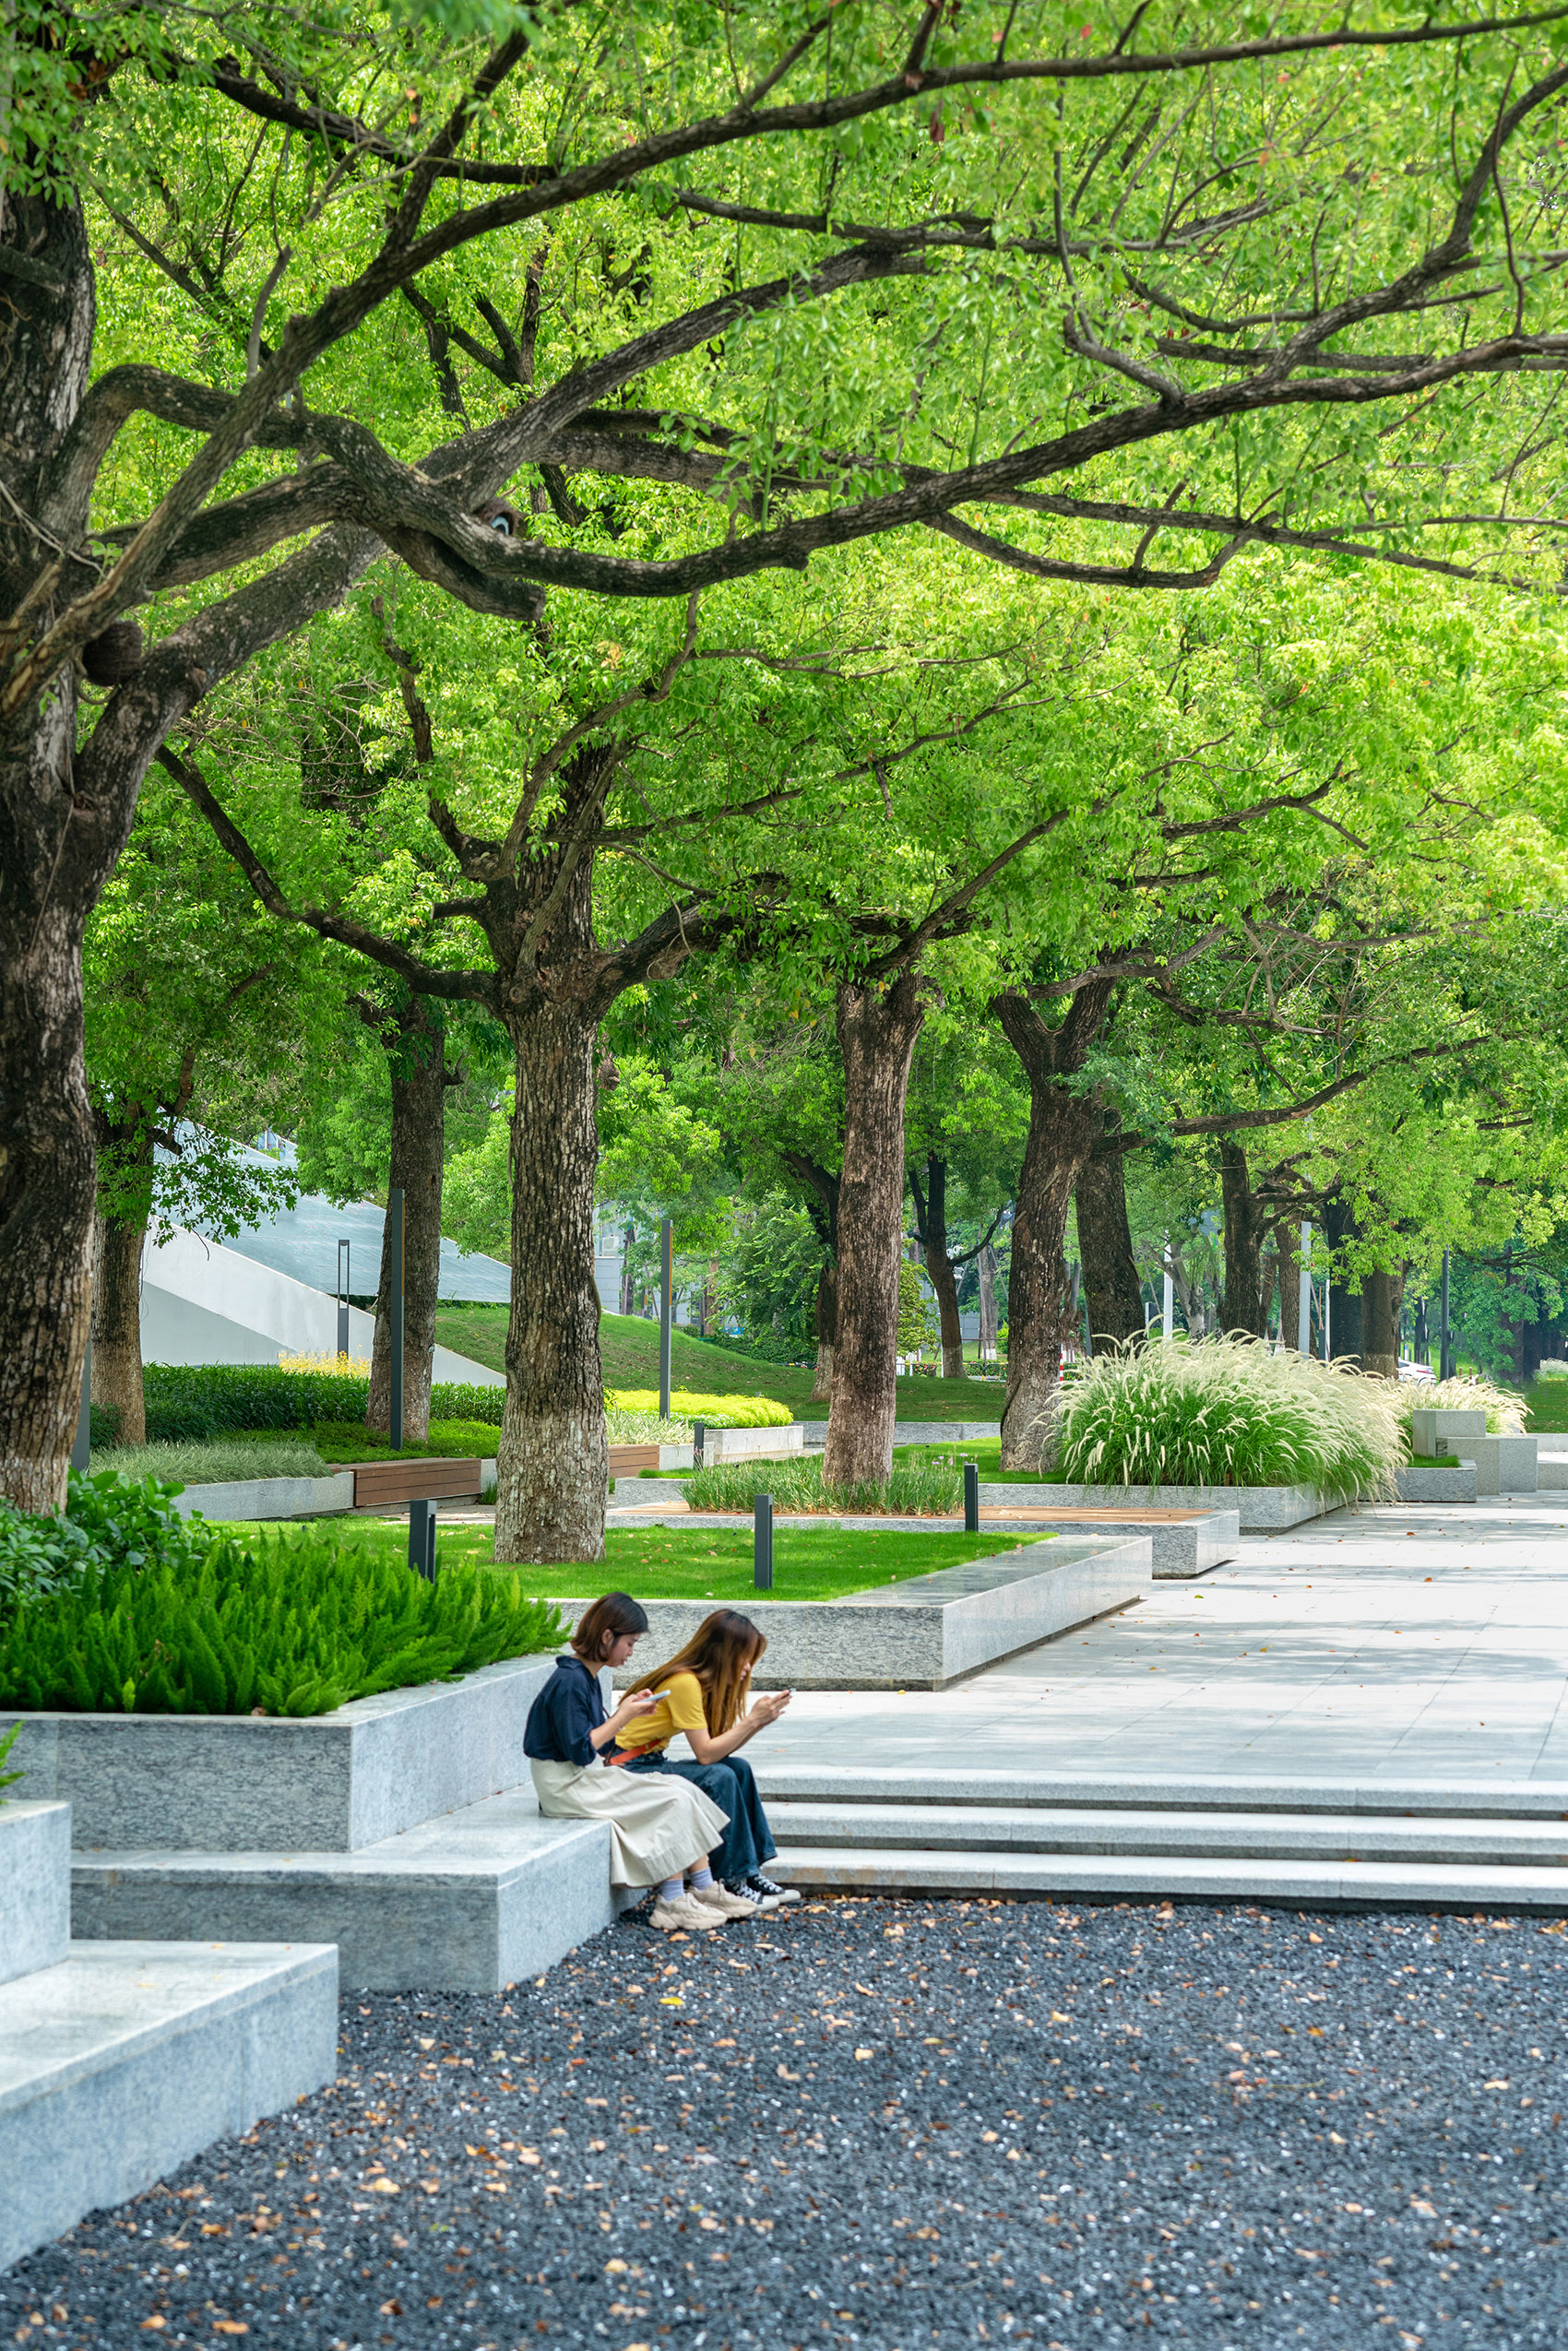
<point>1546,1408</point>
<point>460,1440</point>
<point>629,1347</point>
<point>672,1563</point>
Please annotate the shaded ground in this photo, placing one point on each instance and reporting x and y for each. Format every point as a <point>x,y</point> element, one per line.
<point>895,2125</point>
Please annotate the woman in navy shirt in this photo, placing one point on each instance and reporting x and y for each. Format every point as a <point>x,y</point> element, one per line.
<point>657,1823</point>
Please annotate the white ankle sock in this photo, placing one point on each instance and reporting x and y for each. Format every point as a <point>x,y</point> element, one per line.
<point>673,1889</point>
<point>700,1880</point>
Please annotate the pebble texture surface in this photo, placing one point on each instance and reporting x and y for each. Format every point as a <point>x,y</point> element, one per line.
<point>896,2124</point>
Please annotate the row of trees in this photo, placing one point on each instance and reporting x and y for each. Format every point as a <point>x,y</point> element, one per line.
<point>1015,326</point>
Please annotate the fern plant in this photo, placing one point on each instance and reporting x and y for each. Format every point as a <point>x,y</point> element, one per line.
<point>291,1624</point>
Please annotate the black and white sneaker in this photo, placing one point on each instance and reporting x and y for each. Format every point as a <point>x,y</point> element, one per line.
<point>747,1889</point>
<point>777,1894</point>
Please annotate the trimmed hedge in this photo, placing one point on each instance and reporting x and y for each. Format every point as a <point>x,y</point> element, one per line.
<point>718,1411</point>
<point>205,1400</point>
<point>293,1624</point>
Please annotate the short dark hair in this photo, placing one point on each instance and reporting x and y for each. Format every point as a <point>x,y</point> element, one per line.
<point>615,1613</point>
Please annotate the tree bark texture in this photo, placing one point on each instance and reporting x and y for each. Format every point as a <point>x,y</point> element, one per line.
<point>1105,1243</point>
<point>988,1305</point>
<point>1288,1248</point>
<point>56,850</point>
<point>1243,1307</point>
<point>627,1238</point>
<point>116,1324</point>
<point>931,1207</point>
<point>877,1028</point>
<point>413,1040</point>
<point>1064,1128</point>
<point>1382,1296</point>
<point>826,1332</point>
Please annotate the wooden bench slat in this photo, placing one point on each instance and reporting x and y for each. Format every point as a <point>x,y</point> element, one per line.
<point>379,1485</point>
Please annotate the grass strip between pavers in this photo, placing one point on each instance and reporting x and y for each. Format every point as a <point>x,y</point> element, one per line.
<point>687,1564</point>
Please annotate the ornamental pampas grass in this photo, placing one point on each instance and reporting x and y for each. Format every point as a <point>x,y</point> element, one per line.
<point>1228,1411</point>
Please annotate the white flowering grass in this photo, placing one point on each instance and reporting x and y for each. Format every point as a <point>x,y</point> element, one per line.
<point>1228,1411</point>
<point>1504,1413</point>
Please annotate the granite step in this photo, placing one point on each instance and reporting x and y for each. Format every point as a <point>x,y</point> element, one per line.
<point>471,1900</point>
<point>1082,1831</point>
<point>861,1786</point>
<point>1302,1884</point>
<point>122,2061</point>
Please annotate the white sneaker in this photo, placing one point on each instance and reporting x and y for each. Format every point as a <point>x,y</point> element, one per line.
<point>687,1914</point>
<point>752,1895</point>
<point>719,1898</point>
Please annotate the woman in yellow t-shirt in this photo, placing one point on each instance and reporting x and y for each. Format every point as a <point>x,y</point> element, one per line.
<point>702,1694</point>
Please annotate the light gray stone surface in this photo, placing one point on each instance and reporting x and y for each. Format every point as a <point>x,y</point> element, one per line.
<point>333,1783</point>
<point>1504,1465</point>
<point>1455,1485</point>
<point>1435,1430</point>
<point>269,1496</point>
<point>738,1444</point>
<point>35,1887</point>
<point>126,2060</point>
<point>470,1902</point>
<point>1260,1509</point>
<point>1552,1469</point>
<point>851,1785</point>
<point>1171,1829</point>
<point>926,1631</point>
<point>1181,1547</point>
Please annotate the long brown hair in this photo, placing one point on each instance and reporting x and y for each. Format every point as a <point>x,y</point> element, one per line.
<point>720,1653</point>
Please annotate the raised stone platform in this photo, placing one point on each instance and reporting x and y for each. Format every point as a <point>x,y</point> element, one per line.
<point>1448,1485</point>
<point>330,1783</point>
<point>927,1630</point>
<point>123,2061</point>
<point>1261,1510</point>
<point>470,1902</point>
<point>270,1498</point>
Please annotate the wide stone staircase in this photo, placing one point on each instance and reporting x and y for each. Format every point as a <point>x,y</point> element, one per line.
<point>1217,1837</point>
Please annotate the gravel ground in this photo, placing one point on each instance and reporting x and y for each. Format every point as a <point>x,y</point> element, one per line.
<point>896,2124</point>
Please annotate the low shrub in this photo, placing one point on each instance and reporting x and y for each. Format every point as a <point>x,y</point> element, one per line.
<point>718,1411</point>
<point>1227,1411</point>
<point>291,1624</point>
<point>351,1440</point>
<point>924,1488</point>
<point>109,1520</point>
<point>202,1401</point>
<point>768,1346</point>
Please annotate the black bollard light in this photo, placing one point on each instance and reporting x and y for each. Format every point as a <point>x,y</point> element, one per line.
<point>422,1537</point>
<point>762,1542</point>
<point>699,1444</point>
<point>971,1499</point>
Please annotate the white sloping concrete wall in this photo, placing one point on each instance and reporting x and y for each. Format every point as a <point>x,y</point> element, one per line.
<point>203,1303</point>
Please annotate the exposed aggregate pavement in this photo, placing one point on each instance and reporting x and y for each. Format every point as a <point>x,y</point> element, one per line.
<point>895,2124</point>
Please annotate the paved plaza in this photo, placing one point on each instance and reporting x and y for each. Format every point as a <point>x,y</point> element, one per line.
<point>1412,1643</point>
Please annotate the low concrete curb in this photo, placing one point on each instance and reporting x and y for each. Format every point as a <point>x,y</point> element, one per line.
<point>270,1498</point>
<point>921,1433</point>
<point>330,1783</point>
<point>1455,1485</point>
<point>927,1630</point>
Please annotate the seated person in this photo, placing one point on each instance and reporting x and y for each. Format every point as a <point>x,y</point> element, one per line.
<point>660,1830</point>
<point>702,1692</point>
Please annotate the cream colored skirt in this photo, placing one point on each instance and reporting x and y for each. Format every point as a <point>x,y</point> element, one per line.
<point>659,1824</point>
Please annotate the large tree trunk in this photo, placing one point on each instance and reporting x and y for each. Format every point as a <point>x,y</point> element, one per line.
<point>553,1462</point>
<point>826,1332</point>
<point>1288,1248</point>
<point>116,1324</point>
<point>877,1028</point>
<point>627,1238</point>
<point>1383,1295</point>
<point>416,1064</point>
<point>1105,1243</point>
<point>1064,1129</point>
<point>987,1269</point>
<point>56,854</point>
<point>1243,1307</point>
<point>932,1210</point>
<point>1344,1304</point>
